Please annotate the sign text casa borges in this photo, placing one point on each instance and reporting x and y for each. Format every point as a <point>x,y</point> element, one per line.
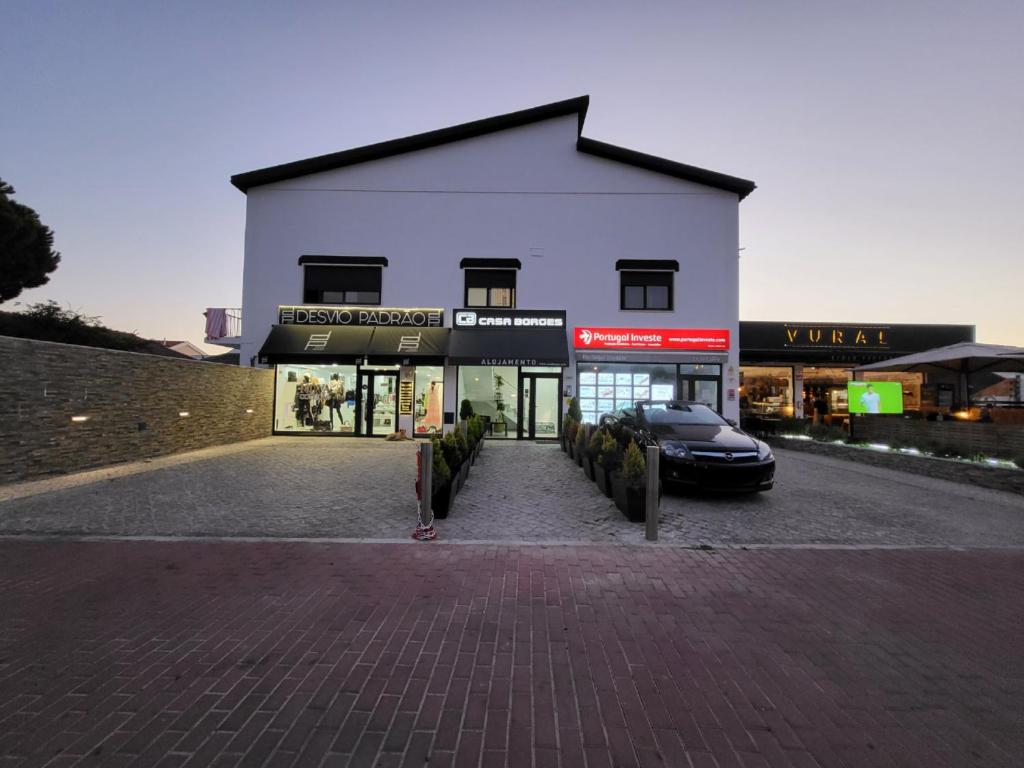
<point>361,316</point>
<point>509,318</point>
<point>705,339</point>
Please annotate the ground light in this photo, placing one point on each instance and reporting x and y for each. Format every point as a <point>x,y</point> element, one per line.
<point>79,419</point>
<point>183,413</point>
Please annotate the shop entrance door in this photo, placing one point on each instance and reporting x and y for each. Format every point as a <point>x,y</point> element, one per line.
<point>701,389</point>
<point>378,393</point>
<point>540,405</point>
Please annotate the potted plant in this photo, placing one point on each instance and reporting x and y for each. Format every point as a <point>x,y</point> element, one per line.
<point>573,416</point>
<point>440,483</point>
<point>629,486</point>
<point>609,459</point>
<point>450,450</point>
<point>476,424</point>
<point>465,410</point>
<point>463,445</point>
<point>593,449</point>
<point>570,440</point>
<point>580,444</point>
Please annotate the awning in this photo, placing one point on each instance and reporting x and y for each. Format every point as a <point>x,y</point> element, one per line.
<point>352,344</point>
<point>395,344</point>
<point>509,346</point>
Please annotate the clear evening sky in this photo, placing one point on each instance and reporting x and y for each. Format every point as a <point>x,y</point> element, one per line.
<point>886,138</point>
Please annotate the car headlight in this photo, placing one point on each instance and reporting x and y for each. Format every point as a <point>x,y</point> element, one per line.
<point>764,451</point>
<point>675,450</point>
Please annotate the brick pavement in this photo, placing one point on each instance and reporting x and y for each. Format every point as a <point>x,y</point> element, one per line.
<point>350,488</point>
<point>274,654</point>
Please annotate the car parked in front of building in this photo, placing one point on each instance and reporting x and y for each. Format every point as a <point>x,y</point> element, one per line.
<point>697,446</point>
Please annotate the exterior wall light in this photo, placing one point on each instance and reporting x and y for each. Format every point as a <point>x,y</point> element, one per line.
<point>183,413</point>
<point>79,419</point>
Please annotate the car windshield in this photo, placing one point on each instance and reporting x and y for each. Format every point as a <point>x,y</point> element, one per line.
<point>680,413</point>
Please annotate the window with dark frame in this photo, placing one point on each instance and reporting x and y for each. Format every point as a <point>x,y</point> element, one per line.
<point>341,284</point>
<point>645,290</point>
<point>490,288</point>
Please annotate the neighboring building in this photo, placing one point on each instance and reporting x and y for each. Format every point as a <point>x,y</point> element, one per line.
<point>509,262</point>
<point>801,369</point>
<point>186,348</point>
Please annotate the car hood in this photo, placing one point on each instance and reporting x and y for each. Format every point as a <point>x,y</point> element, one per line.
<point>711,437</point>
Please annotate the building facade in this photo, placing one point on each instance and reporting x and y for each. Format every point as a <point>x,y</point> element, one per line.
<point>508,262</point>
<point>801,369</point>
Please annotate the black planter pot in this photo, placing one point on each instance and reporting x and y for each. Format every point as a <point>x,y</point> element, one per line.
<point>571,449</point>
<point>441,501</point>
<point>630,499</point>
<point>463,472</point>
<point>588,467</point>
<point>603,479</point>
<point>578,456</point>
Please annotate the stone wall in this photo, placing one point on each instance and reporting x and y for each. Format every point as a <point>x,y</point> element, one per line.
<point>133,404</point>
<point>966,437</point>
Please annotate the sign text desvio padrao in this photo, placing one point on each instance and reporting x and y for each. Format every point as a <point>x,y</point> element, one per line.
<point>703,339</point>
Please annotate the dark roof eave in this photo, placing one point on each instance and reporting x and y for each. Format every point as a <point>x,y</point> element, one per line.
<point>741,187</point>
<point>578,105</point>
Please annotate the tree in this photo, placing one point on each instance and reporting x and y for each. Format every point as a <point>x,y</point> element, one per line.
<point>26,247</point>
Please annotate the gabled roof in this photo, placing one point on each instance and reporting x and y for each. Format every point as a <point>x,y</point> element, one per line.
<point>577,106</point>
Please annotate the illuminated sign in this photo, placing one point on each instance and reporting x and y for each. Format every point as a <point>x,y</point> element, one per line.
<point>405,398</point>
<point>509,318</point>
<point>704,339</point>
<point>836,336</point>
<point>361,316</point>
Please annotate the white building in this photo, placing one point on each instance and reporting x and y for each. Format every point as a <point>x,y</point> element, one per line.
<point>544,264</point>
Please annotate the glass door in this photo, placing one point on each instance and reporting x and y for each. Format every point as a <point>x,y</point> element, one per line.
<point>701,390</point>
<point>378,392</point>
<point>541,404</point>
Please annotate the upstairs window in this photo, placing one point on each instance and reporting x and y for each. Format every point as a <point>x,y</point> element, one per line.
<point>338,284</point>
<point>646,283</point>
<point>490,288</point>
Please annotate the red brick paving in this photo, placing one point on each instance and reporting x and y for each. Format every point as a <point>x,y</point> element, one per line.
<point>278,654</point>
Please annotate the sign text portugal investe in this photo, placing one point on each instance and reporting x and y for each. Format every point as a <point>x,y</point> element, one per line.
<point>703,339</point>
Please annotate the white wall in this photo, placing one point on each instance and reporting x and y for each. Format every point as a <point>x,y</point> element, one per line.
<point>523,193</point>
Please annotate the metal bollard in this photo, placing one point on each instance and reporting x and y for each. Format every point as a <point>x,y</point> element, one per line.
<point>426,466</point>
<point>652,492</point>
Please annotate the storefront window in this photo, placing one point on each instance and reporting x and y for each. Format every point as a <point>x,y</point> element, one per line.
<point>316,398</point>
<point>493,391</point>
<point>606,387</point>
<point>429,408</point>
<point>766,391</point>
<point>825,393</point>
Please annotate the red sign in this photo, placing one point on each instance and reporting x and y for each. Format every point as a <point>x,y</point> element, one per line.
<point>705,339</point>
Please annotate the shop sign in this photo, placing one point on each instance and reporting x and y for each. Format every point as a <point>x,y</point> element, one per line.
<point>405,398</point>
<point>362,316</point>
<point>876,336</point>
<point>707,339</point>
<point>509,318</point>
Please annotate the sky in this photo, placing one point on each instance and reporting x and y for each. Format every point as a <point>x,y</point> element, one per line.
<point>886,138</point>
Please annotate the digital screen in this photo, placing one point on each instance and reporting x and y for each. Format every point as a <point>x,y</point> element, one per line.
<point>875,396</point>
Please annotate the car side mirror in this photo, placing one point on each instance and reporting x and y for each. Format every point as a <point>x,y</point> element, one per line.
<point>731,422</point>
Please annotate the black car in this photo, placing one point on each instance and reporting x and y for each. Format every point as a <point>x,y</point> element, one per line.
<point>698,447</point>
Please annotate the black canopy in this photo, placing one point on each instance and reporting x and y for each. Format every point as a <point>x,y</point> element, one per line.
<point>340,343</point>
<point>509,346</point>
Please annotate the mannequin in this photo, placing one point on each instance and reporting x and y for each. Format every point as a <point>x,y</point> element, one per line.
<point>335,399</point>
<point>432,418</point>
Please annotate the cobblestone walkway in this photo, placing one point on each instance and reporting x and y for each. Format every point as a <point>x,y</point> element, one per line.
<point>359,489</point>
<point>277,654</point>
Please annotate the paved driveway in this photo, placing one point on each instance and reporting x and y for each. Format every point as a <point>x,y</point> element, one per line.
<point>323,654</point>
<point>349,488</point>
